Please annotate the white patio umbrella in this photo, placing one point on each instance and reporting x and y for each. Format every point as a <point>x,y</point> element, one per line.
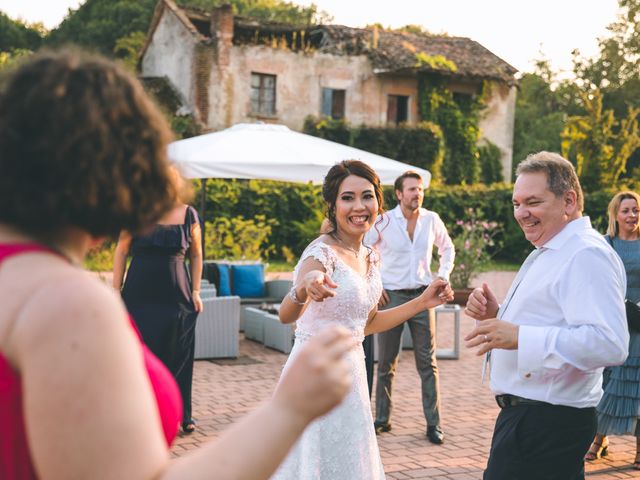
<point>273,152</point>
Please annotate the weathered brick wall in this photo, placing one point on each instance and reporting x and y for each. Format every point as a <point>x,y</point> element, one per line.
<point>202,66</point>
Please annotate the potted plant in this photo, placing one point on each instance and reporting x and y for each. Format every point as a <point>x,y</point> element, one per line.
<point>471,239</point>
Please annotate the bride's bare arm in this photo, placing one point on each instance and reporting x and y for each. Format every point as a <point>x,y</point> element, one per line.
<point>312,283</point>
<point>437,293</point>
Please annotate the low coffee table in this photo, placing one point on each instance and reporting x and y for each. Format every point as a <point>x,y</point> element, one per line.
<point>263,325</point>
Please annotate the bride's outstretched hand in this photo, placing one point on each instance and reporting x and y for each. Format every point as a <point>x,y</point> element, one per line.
<point>438,292</point>
<point>319,285</point>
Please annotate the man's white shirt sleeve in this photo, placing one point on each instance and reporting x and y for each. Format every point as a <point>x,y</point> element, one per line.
<point>570,311</point>
<point>446,250</point>
<point>595,334</point>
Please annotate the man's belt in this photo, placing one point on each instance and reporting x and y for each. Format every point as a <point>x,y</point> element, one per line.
<point>411,291</point>
<point>507,400</point>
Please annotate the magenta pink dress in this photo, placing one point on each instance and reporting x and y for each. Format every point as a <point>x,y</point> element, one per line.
<point>15,459</point>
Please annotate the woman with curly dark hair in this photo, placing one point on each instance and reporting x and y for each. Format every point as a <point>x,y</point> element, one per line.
<point>82,156</point>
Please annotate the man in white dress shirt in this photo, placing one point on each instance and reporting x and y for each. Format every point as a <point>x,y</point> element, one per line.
<point>405,238</point>
<point>562,321</point>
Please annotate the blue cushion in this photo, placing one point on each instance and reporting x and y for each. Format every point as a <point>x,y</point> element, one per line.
<point>248,280</point>
<point>224,279</point>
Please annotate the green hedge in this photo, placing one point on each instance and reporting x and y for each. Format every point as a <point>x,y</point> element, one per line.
<point>296,208</point>
<point>276,220</point>
<point>490,164</point>
<point>494,203</point>
<point>421,145</point>
<point>490,203</point>
<point>295,212</point>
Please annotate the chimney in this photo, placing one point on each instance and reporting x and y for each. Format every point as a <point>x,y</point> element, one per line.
<point>222,31</point>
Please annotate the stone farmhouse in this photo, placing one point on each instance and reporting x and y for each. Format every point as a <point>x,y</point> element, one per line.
<point>228,69</point>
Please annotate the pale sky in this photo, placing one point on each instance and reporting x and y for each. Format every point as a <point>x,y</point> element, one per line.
<point>515,30</point>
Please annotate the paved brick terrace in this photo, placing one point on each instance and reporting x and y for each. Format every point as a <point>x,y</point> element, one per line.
<point>228,389</point>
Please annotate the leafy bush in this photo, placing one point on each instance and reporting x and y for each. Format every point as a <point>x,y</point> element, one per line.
<point>17,35</point>
<point>595,205</point>
<point>599,144</point>
<point>279,201</point>
<point>491,203</point>
<point>100,258</point>
<point>308,229</point>
<point>421,145</point>
<point>98,24</point>
<point>183,126</point>
<point>238,238</point>
<point>490,164</point>
<point>334,130</point>
<point>459,120</point>
<point>275,220</point>
<point>472,237</point>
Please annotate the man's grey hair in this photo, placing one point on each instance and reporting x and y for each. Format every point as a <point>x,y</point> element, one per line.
<point>561,175</point>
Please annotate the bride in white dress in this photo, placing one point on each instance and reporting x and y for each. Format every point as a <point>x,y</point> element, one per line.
<point>337,281</point>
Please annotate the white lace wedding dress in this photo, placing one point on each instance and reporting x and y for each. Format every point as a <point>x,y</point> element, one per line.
<point>340,445</point>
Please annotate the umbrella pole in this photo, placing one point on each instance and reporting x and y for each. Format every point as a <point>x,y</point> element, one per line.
<point>203,203</point>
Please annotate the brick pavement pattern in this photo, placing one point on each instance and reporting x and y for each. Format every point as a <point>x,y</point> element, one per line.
<point>226,390</point>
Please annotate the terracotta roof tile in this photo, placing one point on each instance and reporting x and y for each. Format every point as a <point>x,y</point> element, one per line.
<point>395,51</point>
<point>388,51</point>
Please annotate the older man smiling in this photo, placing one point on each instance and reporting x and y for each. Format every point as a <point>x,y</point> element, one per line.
<point>562,321</point>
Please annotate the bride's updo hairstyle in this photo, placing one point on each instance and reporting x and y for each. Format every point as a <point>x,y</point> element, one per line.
<point>81,145</point>
<point>334,178</point>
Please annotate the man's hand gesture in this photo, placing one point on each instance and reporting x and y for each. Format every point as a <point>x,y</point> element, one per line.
<point>482,304</point>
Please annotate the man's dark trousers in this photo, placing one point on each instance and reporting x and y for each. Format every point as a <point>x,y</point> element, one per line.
<point>422,328</point>
<point>535,442</point>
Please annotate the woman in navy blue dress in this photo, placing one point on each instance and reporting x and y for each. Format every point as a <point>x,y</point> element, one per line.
<point>162,296</point>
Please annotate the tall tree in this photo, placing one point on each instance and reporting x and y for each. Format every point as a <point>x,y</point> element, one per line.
<point>616,69</point>
<point>542,106</point>
<point>98,24</point>
<point>599,144</point>
<point>18,35</point>
<point>114,27</point>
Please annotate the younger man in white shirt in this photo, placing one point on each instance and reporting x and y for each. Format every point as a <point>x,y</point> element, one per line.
<point>405,239</point>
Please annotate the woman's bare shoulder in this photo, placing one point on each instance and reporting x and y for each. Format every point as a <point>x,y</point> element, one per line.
<point>72,303</point>
<point>84,383</point>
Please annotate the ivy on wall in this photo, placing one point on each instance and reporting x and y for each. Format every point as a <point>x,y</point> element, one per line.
<point>445,142</point>
<point>490,164</point>
<point>435,62</point>
<point>459,119</point>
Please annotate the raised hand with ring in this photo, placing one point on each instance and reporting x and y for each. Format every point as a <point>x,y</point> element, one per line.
<point>493,333</point>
